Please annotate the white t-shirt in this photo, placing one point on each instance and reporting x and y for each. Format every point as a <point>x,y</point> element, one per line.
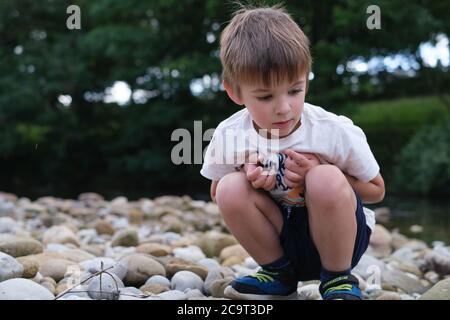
<point>333,139</point>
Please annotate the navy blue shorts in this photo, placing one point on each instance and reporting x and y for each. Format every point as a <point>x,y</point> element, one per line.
<point>300,249</point>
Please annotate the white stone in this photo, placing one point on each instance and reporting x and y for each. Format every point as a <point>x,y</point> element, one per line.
<point>193,294</point>
<point>120,223</point>
<point>9,267</point>
<point>173,295</point>
<point>190,253</point>
<point>94,265</point>
<point>23,289</point>
<point>60,234</point>
<point>183,280</point>
<point>171,236</point>
<point>250,263</point>
<point>242,271</point>
<point>309,292</point>
<point>158,280</point>
<point>209,263</point>
<point>212,276</point>
<point>106,288</point>
<point>8,225</point>
<point>369,266</point>
<point>6,208</point>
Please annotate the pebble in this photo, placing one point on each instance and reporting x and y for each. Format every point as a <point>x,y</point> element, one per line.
<point>173,248</point>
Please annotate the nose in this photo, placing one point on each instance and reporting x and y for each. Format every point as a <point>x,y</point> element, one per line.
<point>282,107</point>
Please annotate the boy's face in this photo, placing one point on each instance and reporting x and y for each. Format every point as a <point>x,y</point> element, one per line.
<point>276,109</point>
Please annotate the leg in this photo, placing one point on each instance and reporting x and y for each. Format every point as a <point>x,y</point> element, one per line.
<point>251,216</point>
<point>256,222</point>
<point>331,204</point>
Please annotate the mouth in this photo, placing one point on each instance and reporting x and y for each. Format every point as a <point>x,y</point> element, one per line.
<point>283,124</point>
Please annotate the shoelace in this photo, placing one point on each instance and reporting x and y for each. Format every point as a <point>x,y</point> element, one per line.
<point>264,275</point>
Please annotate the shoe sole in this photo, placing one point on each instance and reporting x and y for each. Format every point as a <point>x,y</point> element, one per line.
<point>231,293</point>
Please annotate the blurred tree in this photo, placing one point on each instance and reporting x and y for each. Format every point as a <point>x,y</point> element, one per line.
<point>61,137</point>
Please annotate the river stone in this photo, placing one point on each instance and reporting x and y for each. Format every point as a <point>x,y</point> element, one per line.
<point>213,275</point>
<point>369,266</point>
<point>8,225</point>
<point>173,295</point>
<point>209,263</point>
<point>125,238</point>
<point>234,251</point>
<point>190,253</point>
<point>56,268</point>
<point>380,241</point>
<point>104,227</point>
<point>309,292</point>
<point>438,262</point>
<point>9,267</point>
<point>30,267</point>
<point>160,280</point>
<point>18,246</point>
<point>139,268</point>
<point>440,291</point>
<point>407,282</point>
<point>218,286</point>
<point>60,234</point>
<point>136,216</point>
<point>105,287</point>
<point>212,242</point>
<point>176,264</point>
<point>389,296</point>
<point>154,288</point>
<point>183,280</point>
<point>155,249</point>
<point>23,289</point>
<point>405,266</point>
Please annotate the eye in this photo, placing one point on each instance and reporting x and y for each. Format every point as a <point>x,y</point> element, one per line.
<point>264,98</point>
<point>295,91</point>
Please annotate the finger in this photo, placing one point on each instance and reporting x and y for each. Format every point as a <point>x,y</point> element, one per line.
<point>291,165</point>
<point>253,173</point>
<point>292,176</point>
<point>269,184</point>
<point>289,183</point>
<point>297,157</point>
<point>309,156</point>
<point>259,182</point>
<point>250,167</point>
<point>274,182</point>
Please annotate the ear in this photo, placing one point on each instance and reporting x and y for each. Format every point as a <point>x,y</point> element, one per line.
<point>231,93</point>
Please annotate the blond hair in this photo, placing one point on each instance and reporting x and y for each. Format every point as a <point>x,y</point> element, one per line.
<point>263,45</point>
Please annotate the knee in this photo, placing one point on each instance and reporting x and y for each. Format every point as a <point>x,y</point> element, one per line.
<point>232,192</point>
<point>326,184</point>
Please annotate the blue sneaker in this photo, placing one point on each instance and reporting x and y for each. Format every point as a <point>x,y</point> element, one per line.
<point>263,285</point>
<point>341,288</point>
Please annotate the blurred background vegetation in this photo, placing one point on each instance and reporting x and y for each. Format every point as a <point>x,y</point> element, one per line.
<point>94,109</point>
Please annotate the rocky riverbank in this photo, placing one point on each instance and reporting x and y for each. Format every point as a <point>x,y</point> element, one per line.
<point>172,248</point>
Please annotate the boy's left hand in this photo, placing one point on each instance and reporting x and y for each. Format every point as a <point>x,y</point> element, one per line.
<point>297,165</point>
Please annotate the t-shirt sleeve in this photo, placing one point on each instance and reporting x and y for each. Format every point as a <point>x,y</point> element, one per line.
<point>214,164</point>
<point>353,155</point>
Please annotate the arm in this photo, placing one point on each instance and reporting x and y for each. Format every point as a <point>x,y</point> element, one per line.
<point>370,192</point>
<point>213,189</point>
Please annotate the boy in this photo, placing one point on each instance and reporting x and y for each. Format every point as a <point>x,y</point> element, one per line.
<point>292,194</point>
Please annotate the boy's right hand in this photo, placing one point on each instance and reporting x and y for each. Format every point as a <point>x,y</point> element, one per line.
<point>257,176</point>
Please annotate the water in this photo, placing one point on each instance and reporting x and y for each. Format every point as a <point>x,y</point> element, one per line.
<point>431,214</point>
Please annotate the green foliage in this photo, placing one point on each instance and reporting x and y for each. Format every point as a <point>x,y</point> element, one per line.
<point>160,46</point>
<point>423,165</point>
<point>390,124</point>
